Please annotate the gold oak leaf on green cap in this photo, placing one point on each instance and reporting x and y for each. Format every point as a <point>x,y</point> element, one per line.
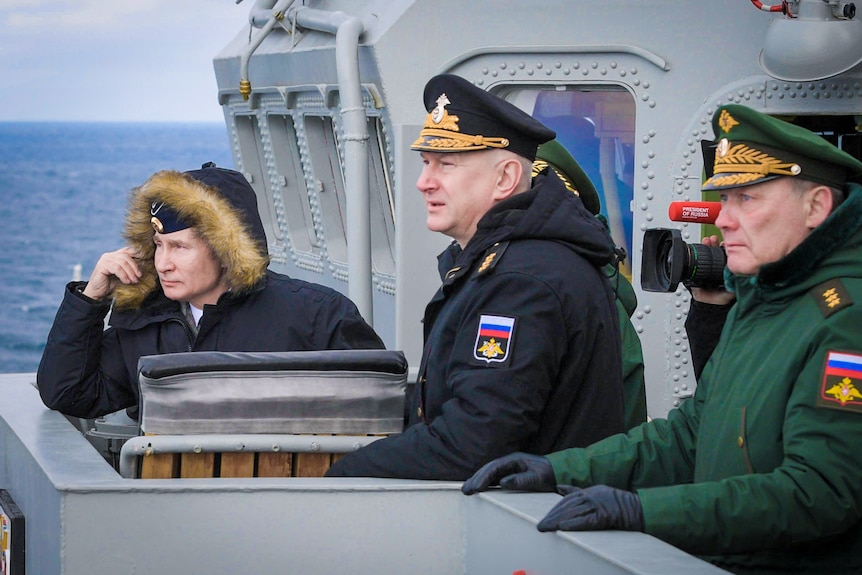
<point>754,147</point>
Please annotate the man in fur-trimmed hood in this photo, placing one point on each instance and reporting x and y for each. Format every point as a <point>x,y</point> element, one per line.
<point>222,208</point>
<point>193,277</point>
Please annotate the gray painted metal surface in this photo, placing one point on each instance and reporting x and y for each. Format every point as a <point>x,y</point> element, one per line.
<point>674,60</point>
<point>319,113</point>
<point>82,518</point>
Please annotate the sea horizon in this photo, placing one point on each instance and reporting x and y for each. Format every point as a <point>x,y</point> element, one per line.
<point>67,121</point>
<point>65,185</point>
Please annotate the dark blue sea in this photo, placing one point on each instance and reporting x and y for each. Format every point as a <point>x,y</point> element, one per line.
<point>63,191</point>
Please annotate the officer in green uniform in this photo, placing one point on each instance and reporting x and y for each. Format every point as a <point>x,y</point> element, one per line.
<point>760,471</point>
<point>555,156</point>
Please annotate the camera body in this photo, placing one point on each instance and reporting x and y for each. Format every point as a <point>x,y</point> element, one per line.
<point>668,260</point>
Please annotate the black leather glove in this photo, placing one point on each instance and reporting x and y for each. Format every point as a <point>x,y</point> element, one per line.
<point>593,509</point>
<point>516,471</point>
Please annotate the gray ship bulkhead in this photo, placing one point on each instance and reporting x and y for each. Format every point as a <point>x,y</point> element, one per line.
<point>82,518</point>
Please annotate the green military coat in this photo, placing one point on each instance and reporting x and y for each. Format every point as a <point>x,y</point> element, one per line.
<point>762,468</point>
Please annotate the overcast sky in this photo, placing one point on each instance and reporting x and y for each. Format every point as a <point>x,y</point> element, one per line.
<point>113,60</point>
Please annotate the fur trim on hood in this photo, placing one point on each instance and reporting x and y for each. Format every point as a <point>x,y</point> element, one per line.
<point>223,210</point>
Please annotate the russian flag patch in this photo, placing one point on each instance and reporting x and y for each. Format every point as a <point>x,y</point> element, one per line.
<point>841,383</point>
<point>494,338</point>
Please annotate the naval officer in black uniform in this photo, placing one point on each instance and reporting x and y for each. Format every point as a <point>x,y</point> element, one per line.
<point>522,340</point>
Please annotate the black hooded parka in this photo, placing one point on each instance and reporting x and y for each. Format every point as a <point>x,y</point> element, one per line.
<point>88,371</point>
<point>522,345</point>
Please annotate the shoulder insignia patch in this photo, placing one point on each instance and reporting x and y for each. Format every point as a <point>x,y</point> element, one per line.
<point>841,386</point>
<point>494,338</point>
<point>492,257</point>
<point>831,296</point>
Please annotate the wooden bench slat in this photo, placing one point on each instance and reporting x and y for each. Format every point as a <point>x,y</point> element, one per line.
<point>237,465</point>
<point>274,464</point>
<point>195,465</point>
<point>160,466</point>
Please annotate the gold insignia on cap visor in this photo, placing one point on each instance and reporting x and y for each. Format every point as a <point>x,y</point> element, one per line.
<point>441,131</point>
<point>753,147</point>
<point>740,158</point>
<point>742,165</point>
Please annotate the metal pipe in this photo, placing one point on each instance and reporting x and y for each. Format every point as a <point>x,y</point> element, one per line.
<point>275,16</point>
<point>261,12</point>
<point>144,445</point>
<point>347,30</point>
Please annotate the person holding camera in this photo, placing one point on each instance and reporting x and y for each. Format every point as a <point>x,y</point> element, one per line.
<point>707,314</point>
<point>759,471</point>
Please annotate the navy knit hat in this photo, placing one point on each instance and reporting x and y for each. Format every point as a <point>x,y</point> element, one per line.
<point>231,185</point>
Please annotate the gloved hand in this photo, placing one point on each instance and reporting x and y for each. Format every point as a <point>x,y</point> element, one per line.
<point>594,508</point>
<point>516,471</point>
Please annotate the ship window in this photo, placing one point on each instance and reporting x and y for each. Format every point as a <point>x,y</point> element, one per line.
<point>596,124</point>
<point>291,185</point>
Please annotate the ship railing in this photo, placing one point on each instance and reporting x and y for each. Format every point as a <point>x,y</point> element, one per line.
<point>235,455</point>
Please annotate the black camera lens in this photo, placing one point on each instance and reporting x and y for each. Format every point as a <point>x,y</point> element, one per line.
<point>668,260</point>
<point>705,266</point>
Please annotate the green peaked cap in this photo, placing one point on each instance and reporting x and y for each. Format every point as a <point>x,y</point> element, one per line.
<point>553,153</point>
<point>753,147</point>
